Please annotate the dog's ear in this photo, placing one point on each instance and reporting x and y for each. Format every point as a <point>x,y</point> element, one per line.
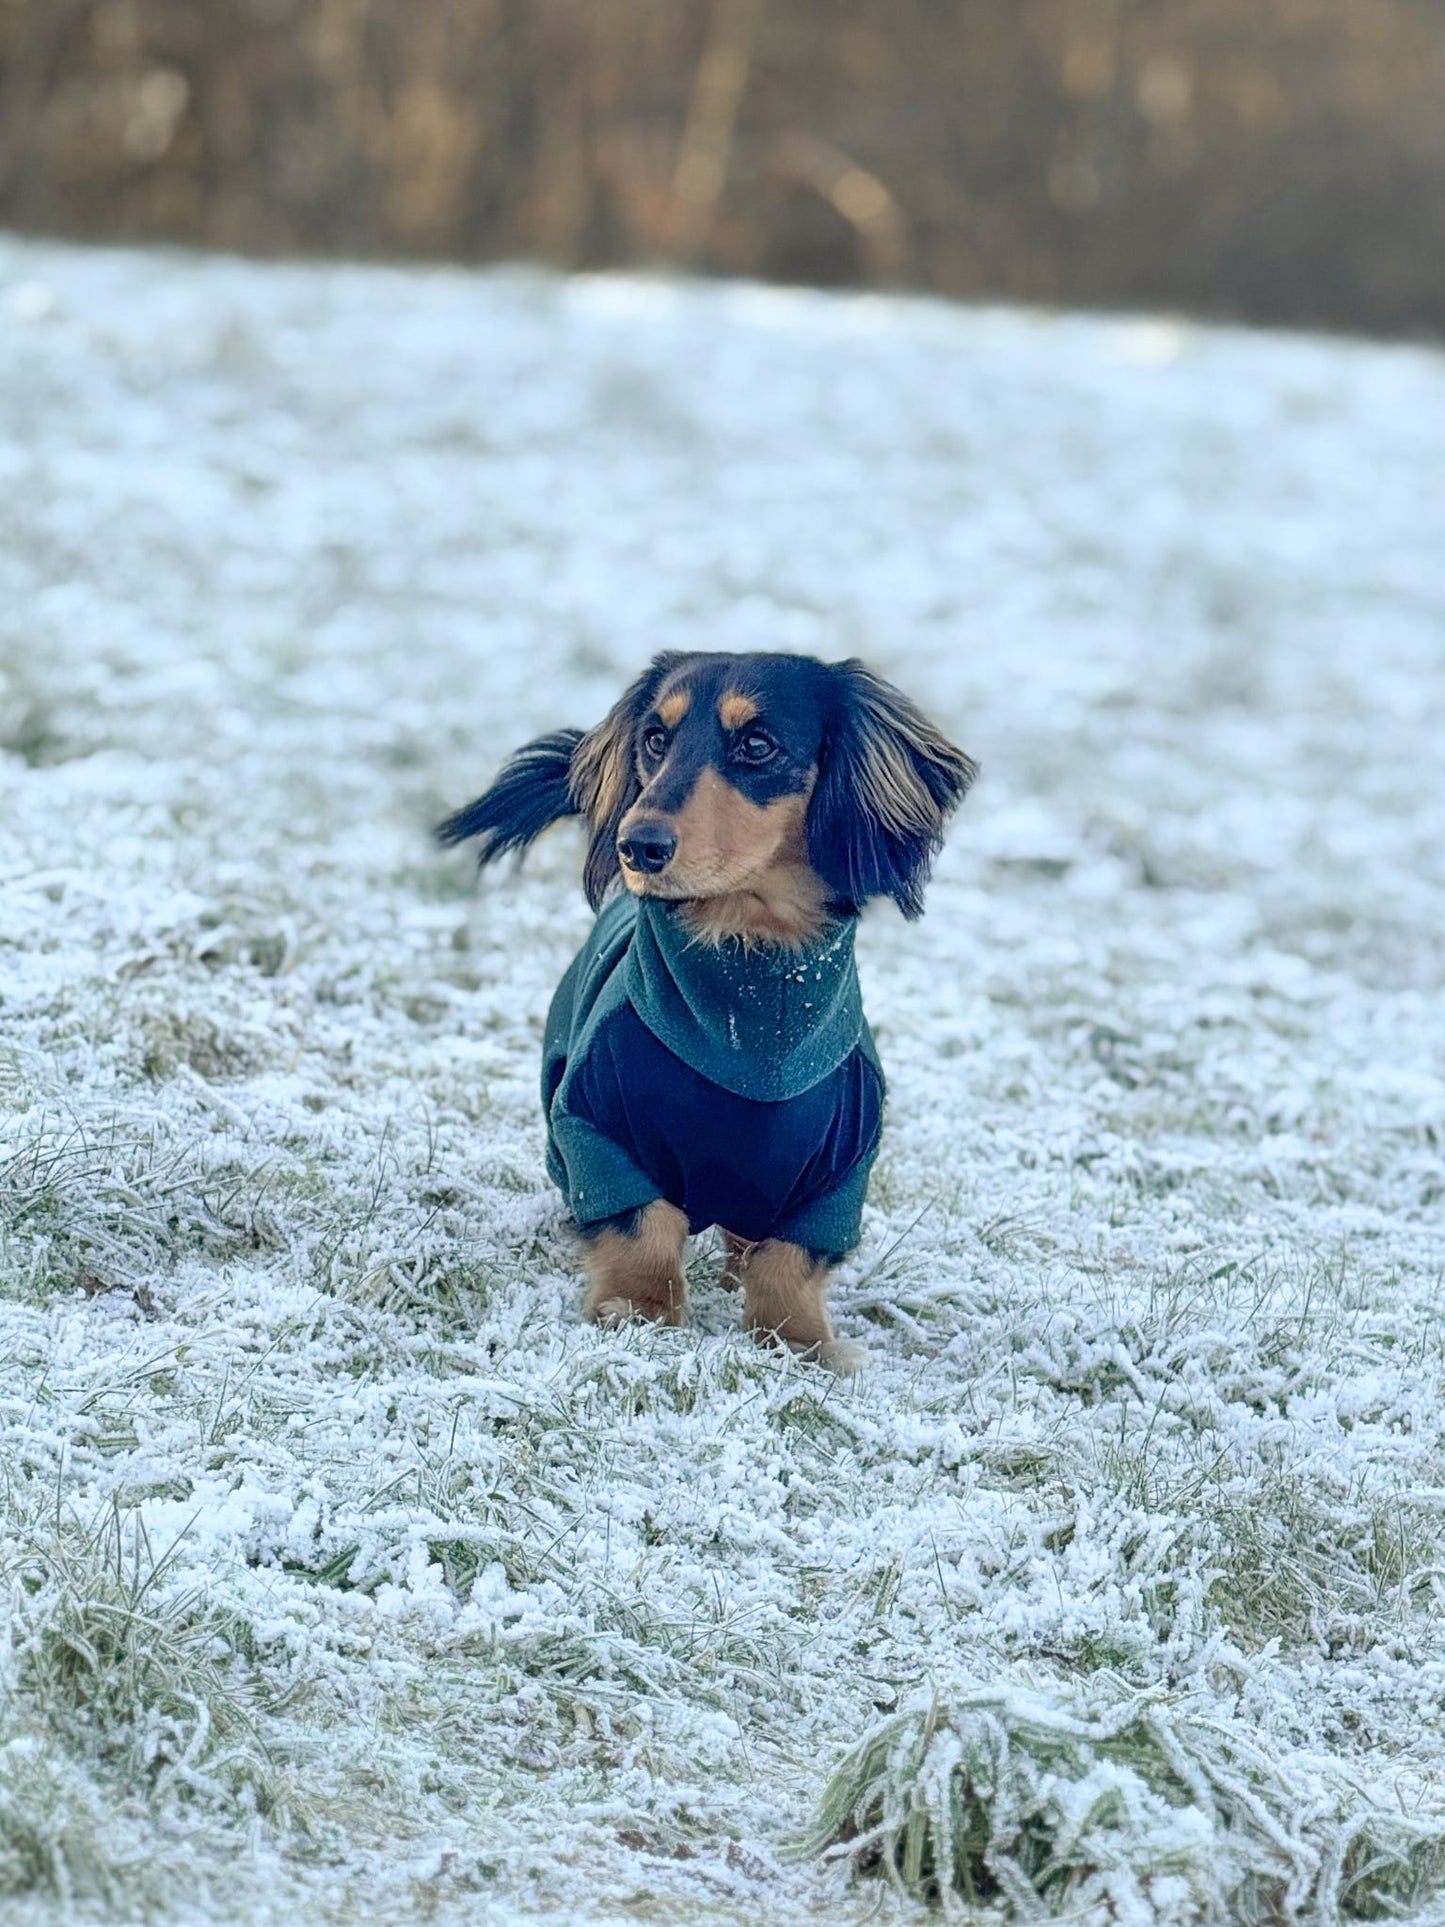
<point>532,790</point>
<point>887,781</point>
<point>604,779</point>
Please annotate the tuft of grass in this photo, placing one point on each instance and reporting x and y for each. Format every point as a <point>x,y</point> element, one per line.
<point>1098,1799</point>
<point>170,1038</point>
<point>63,1837</point>
<point>134,1671</point>
<point>121,1198</point>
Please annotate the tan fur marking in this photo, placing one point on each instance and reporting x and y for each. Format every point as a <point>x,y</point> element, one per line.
<point>783,1301</point>
<point>787,905</point>
<point>783,1294</point>
<point>673,708</point>
<point>735,1259</point>
<point>736,709</point>
<point>741,867</point>
<point>601,767</point>
<point>784,901</point>
<point>724,839</point>
<point>894,733</point>
<point>640,1276</point>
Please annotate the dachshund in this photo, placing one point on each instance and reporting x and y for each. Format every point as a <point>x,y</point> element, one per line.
<point>706,1058</point>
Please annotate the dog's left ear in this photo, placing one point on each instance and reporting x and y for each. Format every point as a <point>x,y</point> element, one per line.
<point>887,782</point>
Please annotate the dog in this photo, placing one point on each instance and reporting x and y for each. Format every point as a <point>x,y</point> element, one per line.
<point>706,1059</point>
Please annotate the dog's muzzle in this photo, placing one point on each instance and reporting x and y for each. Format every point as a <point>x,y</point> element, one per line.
<point>649,847</point>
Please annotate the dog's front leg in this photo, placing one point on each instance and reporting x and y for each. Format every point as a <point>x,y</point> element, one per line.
<point>634,1269</point>
<point>783,1288</point>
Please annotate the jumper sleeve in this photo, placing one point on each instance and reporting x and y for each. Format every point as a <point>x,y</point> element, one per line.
<point>597,1176</point>
<point>834,1222</point>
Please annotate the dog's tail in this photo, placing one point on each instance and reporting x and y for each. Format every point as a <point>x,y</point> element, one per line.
<point>533,789</point>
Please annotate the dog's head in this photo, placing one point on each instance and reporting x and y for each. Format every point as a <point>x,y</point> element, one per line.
<point>714,773</point>
<point>800,787</point>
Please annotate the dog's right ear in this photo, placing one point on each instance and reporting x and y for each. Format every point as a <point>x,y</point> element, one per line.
<point>605,782</point>
<point>568,773</point>
<point>533,790</point>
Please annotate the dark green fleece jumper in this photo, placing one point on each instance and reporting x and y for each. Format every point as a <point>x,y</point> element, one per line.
<point>741,1084</point>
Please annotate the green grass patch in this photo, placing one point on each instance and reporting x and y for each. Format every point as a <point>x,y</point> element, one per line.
<point>1098,1801</point>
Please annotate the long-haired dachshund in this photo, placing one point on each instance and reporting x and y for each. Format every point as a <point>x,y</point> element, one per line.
<point>706,1059</point>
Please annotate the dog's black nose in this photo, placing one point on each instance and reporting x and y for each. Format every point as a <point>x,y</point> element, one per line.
<point>647,846</point>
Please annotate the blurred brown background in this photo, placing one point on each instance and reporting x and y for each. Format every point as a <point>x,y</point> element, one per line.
<point>1282,160</point>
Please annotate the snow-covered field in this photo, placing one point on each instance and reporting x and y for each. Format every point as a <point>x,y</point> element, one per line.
<point>348,1577</point>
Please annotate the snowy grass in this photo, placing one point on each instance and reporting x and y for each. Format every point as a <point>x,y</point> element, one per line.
<point>345,1575</point>
<point>1116,1804</point>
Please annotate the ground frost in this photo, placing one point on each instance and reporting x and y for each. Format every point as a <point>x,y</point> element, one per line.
<point>345,1575</point>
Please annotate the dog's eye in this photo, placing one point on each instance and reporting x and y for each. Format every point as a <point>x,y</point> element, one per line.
<point>654,743</point>
<point>755,747</point>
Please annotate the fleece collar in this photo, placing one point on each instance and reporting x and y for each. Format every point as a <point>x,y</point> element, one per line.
<point>761,1021</point>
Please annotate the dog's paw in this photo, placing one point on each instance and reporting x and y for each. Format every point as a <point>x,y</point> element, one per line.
<point>609,1313</point>
<point>845,1356</point>
<point>612,1312</point>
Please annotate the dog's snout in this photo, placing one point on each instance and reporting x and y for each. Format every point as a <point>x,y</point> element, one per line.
<point>647,846</point>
